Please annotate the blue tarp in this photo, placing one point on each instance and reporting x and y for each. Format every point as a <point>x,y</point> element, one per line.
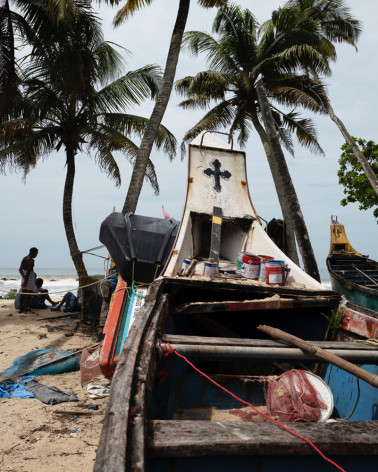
<point>15,388</point>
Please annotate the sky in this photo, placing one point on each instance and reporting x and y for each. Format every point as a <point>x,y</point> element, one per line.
<point>31,210</point>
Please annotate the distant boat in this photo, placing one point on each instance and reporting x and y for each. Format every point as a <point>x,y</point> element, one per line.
<point>164,416</point>
<point>351,273</point>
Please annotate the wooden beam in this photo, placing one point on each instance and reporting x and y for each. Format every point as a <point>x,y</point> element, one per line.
<point>218,341</point>
<point>249,305</point>
<point>209,438</point>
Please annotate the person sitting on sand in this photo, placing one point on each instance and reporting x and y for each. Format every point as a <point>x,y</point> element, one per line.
<point>28,279</point>
<point>39,301</point>
<point>70,301</point>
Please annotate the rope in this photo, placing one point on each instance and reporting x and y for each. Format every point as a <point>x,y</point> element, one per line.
<point>63,291</point>
<point>167,353</point>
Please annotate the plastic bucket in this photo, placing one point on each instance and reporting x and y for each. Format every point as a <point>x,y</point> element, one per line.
<point>239,261</point>
<point>262,273</point>
<point>251,266</point>
<point>210,269</point>
<point>275,275</point>
<point>185,264</point>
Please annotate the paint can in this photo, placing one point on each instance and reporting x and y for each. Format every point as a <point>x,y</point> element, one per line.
<point>262,273</point>
<point>275,263</point>
<point>251,266</point>
<point>210,269</point>
<point>287,273</point>
<point>275,275</point>
<point>239,261</point>
<point>185,264</point>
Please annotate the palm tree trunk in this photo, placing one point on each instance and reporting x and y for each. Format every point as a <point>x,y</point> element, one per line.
<point>149,136</point>
<point>76,255</point>
<point>291,247</point>
<point>289,193</point>
<point>350,141</point>
<point>355,149</point>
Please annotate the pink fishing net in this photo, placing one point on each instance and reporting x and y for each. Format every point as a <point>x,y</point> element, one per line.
<point>291,397</point>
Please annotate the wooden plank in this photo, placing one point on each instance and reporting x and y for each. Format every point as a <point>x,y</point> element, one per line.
<point>216,234</point>
<point>249,305</point>
<point>360,321</point>
<point>208,438</point>
<point>204,340</point>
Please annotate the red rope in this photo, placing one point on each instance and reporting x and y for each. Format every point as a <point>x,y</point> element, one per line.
<point>249,404</point>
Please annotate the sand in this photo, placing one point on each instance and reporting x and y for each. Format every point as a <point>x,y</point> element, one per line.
<point>36,436</point>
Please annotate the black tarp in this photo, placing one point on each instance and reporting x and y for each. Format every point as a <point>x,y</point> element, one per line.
<point>138,245</point>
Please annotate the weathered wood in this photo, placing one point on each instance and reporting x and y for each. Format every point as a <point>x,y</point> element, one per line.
<point>138,422</point>
<point>205,340</point>
<point>321,354</point>
<point>233,286</point>
<point>201,438</point>
<point>111,452</point>
<point>250,305</point>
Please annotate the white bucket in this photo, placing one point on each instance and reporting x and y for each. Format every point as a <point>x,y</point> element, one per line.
<point>251,266</point>
<point>185,264</point>
<point>210,269</point>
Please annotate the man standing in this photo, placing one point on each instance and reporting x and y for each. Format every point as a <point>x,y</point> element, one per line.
<point>28,279</point>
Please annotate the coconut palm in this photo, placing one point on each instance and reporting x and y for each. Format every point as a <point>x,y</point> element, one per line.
<point>128,9</point>
<point>337,25</point>
<point>245,75</point>
<point>80,107</point>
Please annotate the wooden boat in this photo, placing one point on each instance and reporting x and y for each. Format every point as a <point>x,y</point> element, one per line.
<point>351,273</point>
<point>164,415</point>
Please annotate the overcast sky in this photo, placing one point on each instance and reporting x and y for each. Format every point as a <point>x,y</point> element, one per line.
<point>31,212</point>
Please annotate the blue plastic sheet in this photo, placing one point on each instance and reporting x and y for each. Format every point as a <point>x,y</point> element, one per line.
<point>34,362</point>
<point>15,388</point>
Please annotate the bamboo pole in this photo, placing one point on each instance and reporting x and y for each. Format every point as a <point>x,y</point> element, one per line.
<point>321,353</point>
<point>363,273</point>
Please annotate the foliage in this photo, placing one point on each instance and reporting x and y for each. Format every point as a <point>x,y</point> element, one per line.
<point>237,58</point>
<point>334,319</point>
<point>351,175</point>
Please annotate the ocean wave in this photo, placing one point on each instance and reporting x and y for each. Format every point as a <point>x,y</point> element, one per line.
<point>57,284</point>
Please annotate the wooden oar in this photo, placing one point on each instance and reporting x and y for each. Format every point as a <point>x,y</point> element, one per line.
<point>321,353</point>
<point>363,273</point>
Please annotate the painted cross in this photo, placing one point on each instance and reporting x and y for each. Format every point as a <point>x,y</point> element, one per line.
<point>217,174</point>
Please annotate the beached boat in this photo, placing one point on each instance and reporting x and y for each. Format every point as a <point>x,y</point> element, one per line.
<point>351,273</point>
<point>199,337</point>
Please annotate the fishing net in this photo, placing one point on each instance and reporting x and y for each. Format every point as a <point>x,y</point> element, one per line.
<point>291,397</point>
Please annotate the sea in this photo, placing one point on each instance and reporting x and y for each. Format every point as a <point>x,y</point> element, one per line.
<point>58,281</point>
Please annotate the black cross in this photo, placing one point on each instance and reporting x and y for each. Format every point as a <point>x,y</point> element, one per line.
<point>217,174</point>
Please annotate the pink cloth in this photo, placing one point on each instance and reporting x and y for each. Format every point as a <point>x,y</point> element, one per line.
<point>166,216</point>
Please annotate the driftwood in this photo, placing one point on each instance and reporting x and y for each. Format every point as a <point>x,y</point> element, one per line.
<point>321,354</point>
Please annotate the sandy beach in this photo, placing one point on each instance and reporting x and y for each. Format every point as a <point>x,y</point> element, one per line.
<point>36,436</point>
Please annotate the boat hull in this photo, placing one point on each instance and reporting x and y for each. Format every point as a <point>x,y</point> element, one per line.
<point>354,293</point>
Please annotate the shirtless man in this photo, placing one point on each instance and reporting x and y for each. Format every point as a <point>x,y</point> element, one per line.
<point>28,279</point>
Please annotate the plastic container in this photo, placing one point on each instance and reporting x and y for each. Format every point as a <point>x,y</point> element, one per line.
<point>185,264</point>
<point>239,262</point>
<point>210,269</point>
<point>262,273</point>
<point>251,266</point>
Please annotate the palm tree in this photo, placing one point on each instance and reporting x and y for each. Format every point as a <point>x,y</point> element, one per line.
<point>245,74</point>
<point>130,7</point>
<point>337,25</point>
<point>79,108</point>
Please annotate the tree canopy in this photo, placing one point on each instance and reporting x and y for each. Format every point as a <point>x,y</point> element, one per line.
<point>353,178</point>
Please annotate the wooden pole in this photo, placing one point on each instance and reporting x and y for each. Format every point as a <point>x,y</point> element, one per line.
<point>363,273</point>
<point>321,353</point>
